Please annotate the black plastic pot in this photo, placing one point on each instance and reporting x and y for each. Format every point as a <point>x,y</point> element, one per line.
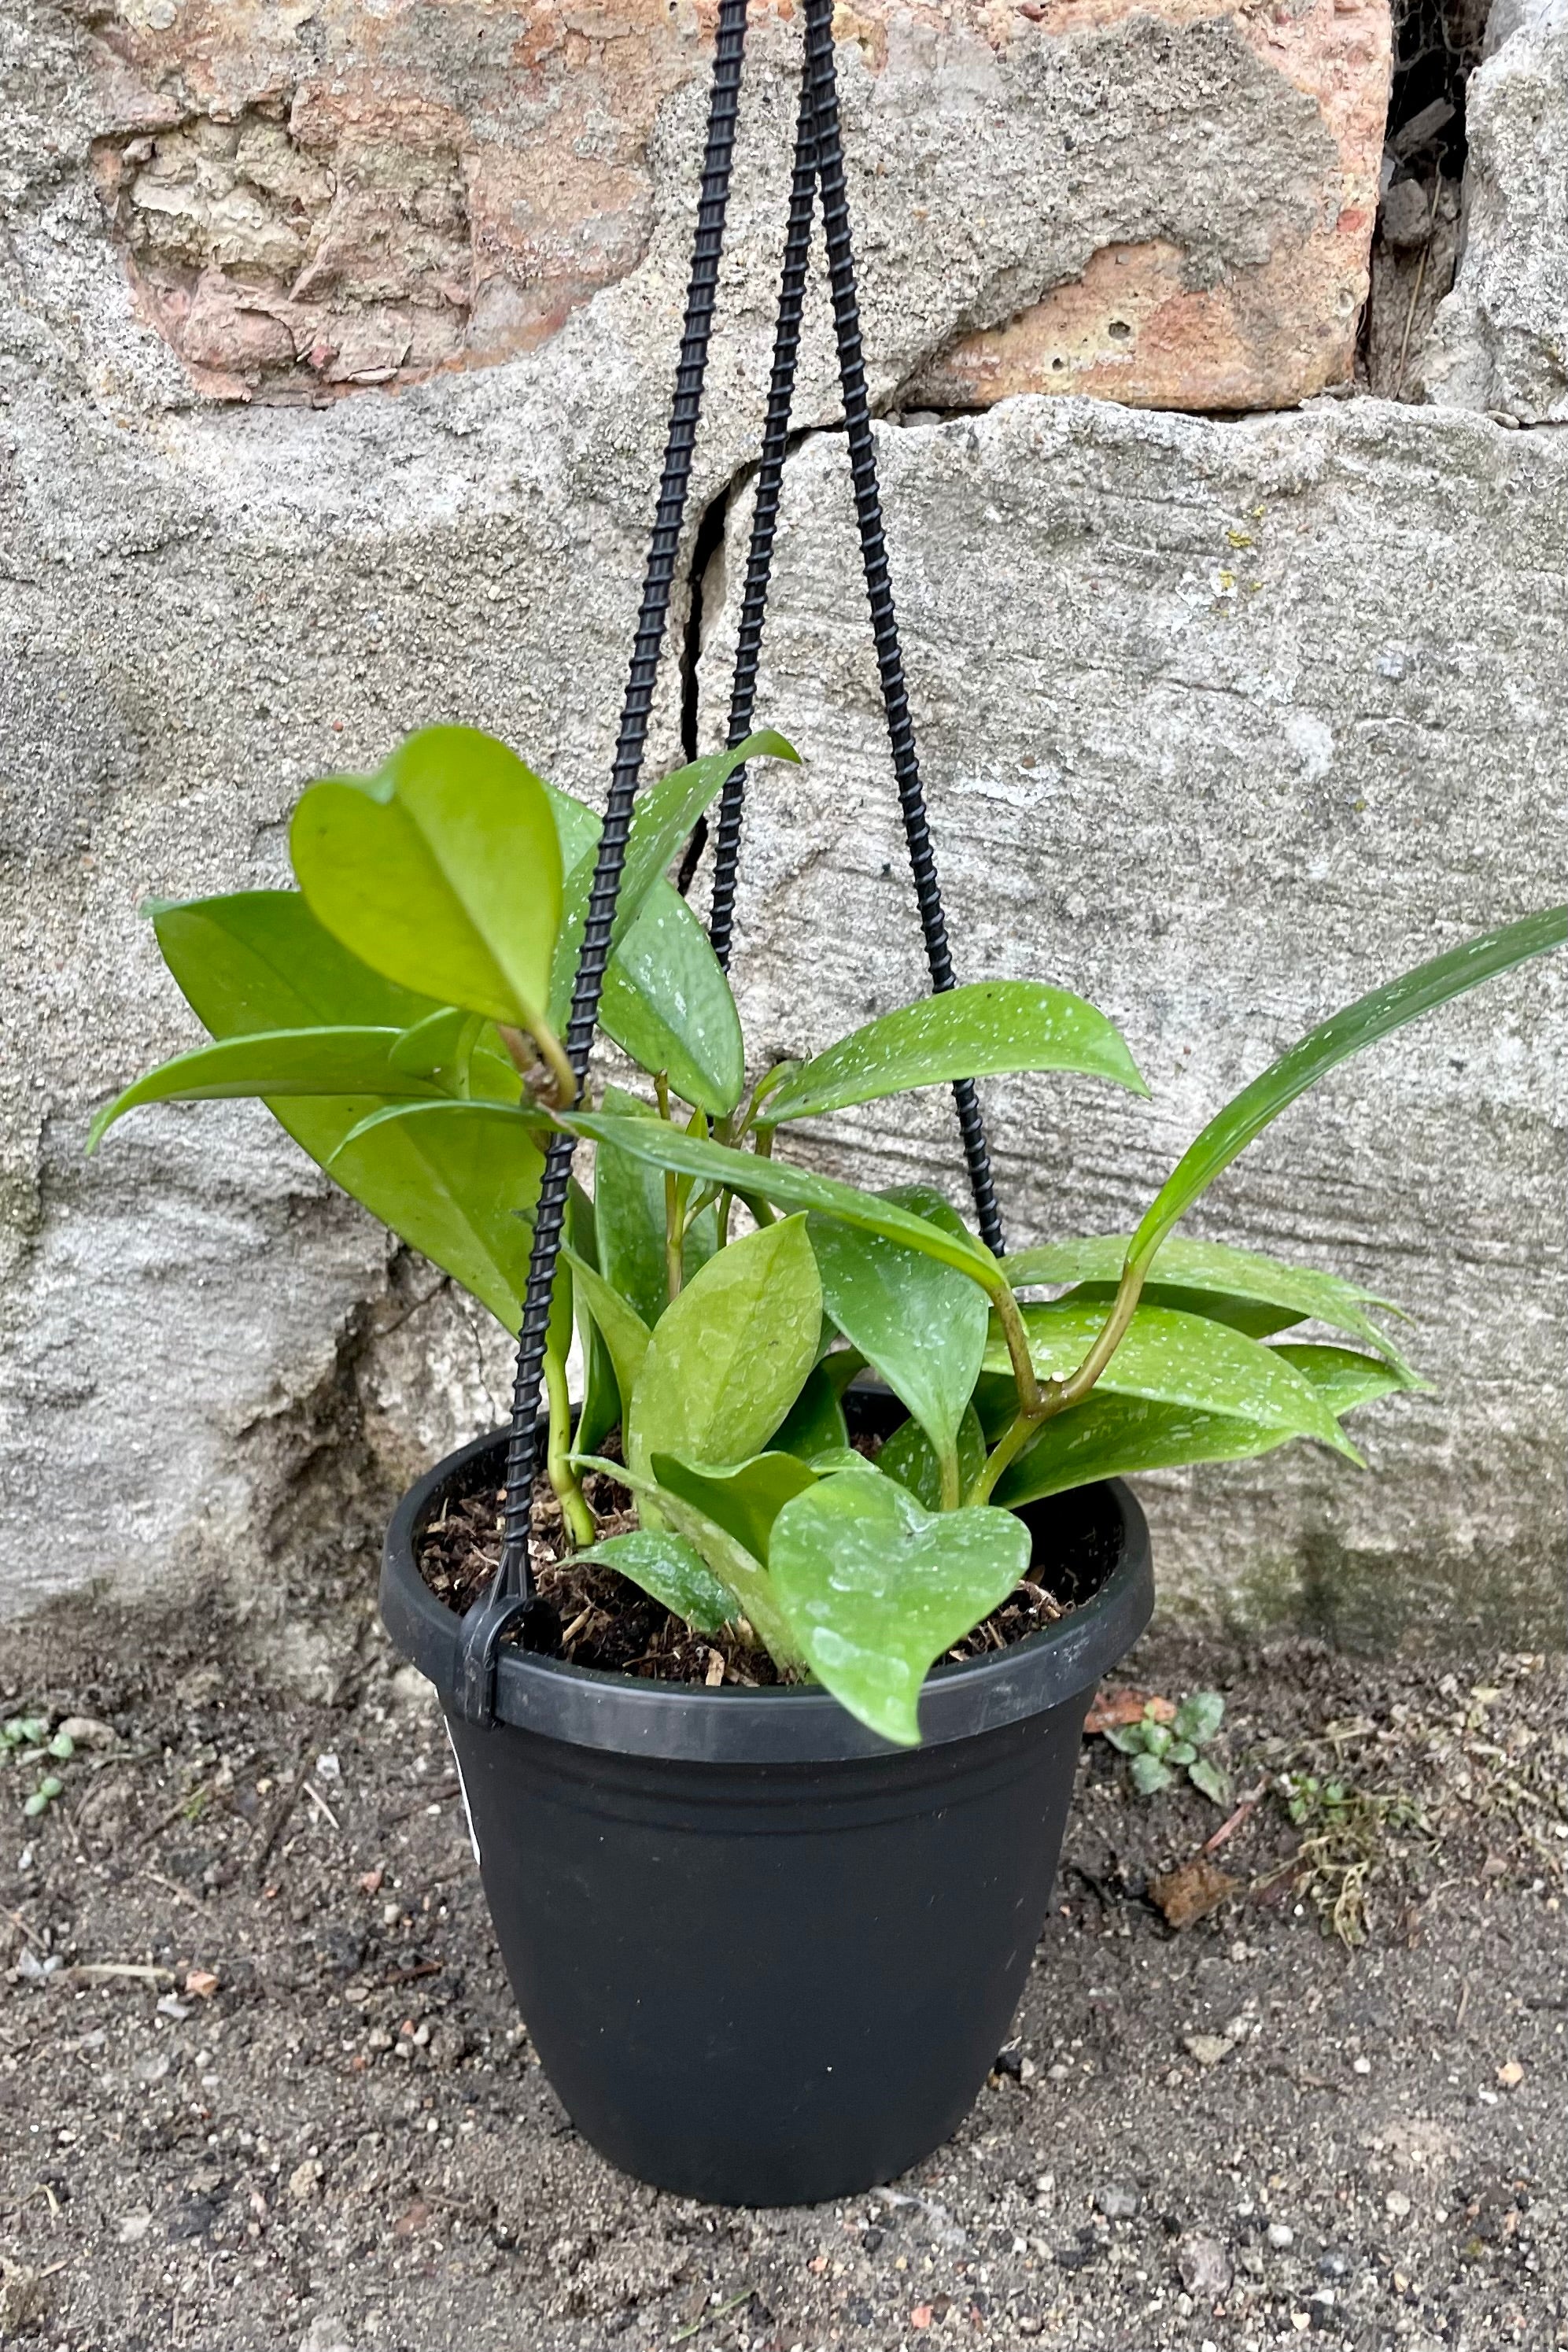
<point>765,1958</point>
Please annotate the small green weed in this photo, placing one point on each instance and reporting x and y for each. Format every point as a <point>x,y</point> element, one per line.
<point>1160,1751</point>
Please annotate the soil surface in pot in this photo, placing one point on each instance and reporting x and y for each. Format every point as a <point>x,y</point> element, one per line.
<point>609,1623</point>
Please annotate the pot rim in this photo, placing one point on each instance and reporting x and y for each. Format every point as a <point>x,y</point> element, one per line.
<point>800,1723</point>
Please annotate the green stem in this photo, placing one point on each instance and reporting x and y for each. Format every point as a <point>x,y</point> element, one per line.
<point>1031,1397</point>
<point>557,1460</point>
<point>1112,1331</point>
<point>1010,1444</point>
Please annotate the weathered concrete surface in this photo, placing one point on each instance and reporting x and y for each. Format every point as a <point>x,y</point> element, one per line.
<point>318,196</point>
<point>1150,320</point>
<point>1501,337</point>
<point>1221,724</point>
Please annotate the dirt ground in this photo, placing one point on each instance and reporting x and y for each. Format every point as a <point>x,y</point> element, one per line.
<point>263,2088</point>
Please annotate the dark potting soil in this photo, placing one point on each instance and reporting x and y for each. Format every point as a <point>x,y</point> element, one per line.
<point>609,1623</point>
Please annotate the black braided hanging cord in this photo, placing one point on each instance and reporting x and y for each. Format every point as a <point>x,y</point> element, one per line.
<point>819,160</point>
<point>822,81</point>
<point>765,513</point>
<point>510,1598</point>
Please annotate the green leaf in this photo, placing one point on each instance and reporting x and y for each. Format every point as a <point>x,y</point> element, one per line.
<point>278,1062</point>
<point>602,1408</point>
<point>1150,1774</point>
<point>1199,1717</point>
<point>664,814</point>
<point>1252,1316</point>
<point>1209,1782</point>
<point>1181,1752</point>
<point>1333,1041</point>
<point>1128,1737</point>
<point>667,1004</point>
<point>457,1180</point>
<point>815,1421</point>
<point>731,1353</point>
<point>1343,1377</point>
<point>670,1569</point>
<point>909,1457</point>
<point>743,1173</point>
<point>990,1026</point>
<point>621,1328</point>
<point>875,1588</point>
<point>260,960</point>
<point>744,1501</point>
<point>442,871</point>
<point>922,1325</point>
<point>1183,1359</point>
<point>1110,1436</point>
<point>1218,1272</point>
<point>629,1203</point>
<point>738,1569</point>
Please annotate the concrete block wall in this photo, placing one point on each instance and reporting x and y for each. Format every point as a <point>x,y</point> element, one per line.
<point>334,353</point>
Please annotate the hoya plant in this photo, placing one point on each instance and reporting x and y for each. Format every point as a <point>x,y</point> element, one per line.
<point>402,1014</point>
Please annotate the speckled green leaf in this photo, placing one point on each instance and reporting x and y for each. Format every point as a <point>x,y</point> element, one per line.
<point>676,1573</point>
<point>1185,1359</point>
<point>920,1324</point>
<point>1110,1436</point>
<point>1220,1273</point>
<point>875,1588</point>
<point>1343,1376</point>
<point>990,1026</point>
<point>731,1353</point>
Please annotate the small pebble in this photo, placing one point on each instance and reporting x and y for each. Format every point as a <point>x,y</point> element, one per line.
<point>1333,2263</point>
<point>1281,2235</point>
<point>1397,2204</point>
<point>1116,2204</point>
<point>1203,2264</point>
<point>1361,2066</point>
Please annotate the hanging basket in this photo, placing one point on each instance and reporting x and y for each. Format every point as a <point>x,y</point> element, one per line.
<point>765,1958</point>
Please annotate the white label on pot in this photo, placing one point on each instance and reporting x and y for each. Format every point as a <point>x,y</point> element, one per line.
<point>463,1790</point>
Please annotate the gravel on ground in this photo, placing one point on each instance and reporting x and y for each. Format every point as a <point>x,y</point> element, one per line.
<point>263,2087</point>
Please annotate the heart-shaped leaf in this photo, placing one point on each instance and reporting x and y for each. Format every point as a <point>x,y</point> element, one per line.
<point>730,1354</point>
<point>922,1325</point>
<point>1180,1359</point>
<point>457,1180</point>
<point>1299,1292</point>
<point>281,1062</point>
<point>744,1501</point>
<point>257,960</point>
<point>990,1026</point>
<point>442,871</point>
<point>909,1457</point>
<point>670,1569</point>
<point>875,1588</point>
